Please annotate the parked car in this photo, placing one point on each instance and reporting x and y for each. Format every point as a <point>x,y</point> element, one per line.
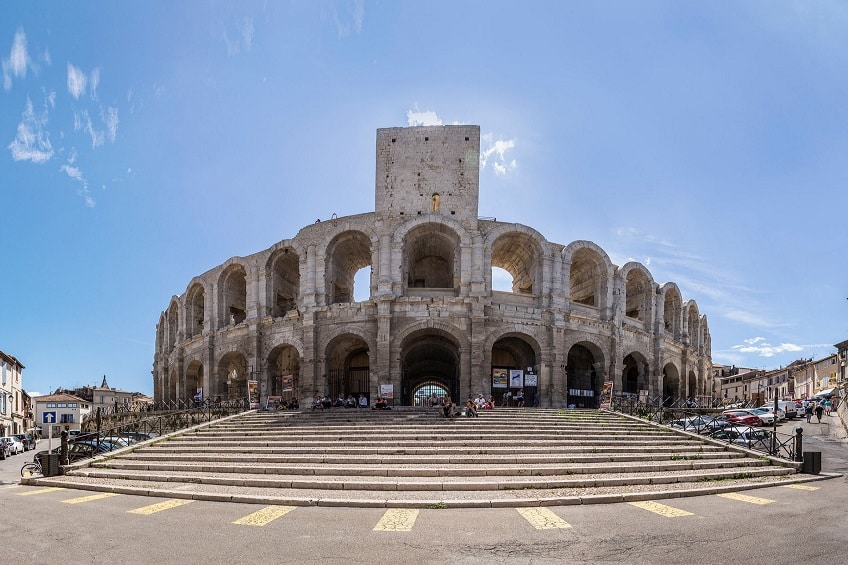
<point>79,450</point>
<point>138,436</point>
<point>746,436</point>
<point>15,446</point>
<point>768,418</point>
<point>742,417</point>
<point>4,450</point>
<point>769,407</point>
<point>700,424</point>
<point>26,441</point>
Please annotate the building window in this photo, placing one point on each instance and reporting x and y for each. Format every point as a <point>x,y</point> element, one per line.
<point>62,405</point>
<point>67,419</point>
<point>51,405</point>
<point>72,404</point>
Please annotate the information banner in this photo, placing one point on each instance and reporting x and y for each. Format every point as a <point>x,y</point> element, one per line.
<point>387,391</point>
<point>500,378</point>
<point>274,403</point>
<point>516,378</point>
<point>606,395</point>
<point>253,393</point>
<point>530,379</point>
<point>288,383</point>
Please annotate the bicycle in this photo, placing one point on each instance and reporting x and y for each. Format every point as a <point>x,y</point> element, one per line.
<point>30,469</point>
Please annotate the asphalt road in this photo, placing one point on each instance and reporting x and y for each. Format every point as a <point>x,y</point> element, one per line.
<point>778,525</point>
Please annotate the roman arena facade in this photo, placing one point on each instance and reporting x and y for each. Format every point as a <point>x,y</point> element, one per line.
<point>287,317</point>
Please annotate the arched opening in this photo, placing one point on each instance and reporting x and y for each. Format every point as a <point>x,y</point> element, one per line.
<point>512,356</point>
<point>194,380</point>
<point>518,255</point>
<point>233,296</point>
<point>284,372</point>
<point>692,386</point>
<point>348,367</point>
<point>362,284</point>
<point>231,380</point>
<point>584,385</point>
<point>672,312</point>
<point>429,358</point>
<point>431,257</point>
<point>585,277</point>
<point>634,376</point>
<point>671,384</point>
<point>425,390</point>
<point>693,327</point>
<point>196,308</point>
<point>172,385</point>
<point>173,324</point>
<point>348,253</point>
<point>284,287</point>
<point>637,295</point>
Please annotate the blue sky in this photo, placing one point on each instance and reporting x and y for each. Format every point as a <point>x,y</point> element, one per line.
<point>143,143</point>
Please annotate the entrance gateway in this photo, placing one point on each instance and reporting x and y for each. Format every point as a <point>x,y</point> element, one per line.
<point>294,319</point>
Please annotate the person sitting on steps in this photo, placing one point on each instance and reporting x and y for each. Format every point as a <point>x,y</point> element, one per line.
<point>471,409</point>
<point>447,406</point>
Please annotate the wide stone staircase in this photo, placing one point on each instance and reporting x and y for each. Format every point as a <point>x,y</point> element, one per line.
<point>414,458</point>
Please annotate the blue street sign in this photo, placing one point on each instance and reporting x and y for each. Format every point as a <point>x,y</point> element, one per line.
<point>48,418</point>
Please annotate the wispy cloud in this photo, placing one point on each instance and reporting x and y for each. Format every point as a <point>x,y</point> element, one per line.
<point>495,151</point>
<point>18,61</point>
<point>32,142</point>
<point>76,174</point>
<point>110,119</point>
<point>82,122</point>
<point>349,18</point>
<point>761,347</point>
<point>244,37</point>
<point>77,81</point>
<point>94,82</point>
<point>418,118</point>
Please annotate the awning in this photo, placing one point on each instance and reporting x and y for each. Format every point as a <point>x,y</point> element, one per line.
<point>825,392</point>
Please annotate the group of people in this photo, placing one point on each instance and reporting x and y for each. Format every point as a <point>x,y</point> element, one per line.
<point>819,407</point>
<point>359,401</point>
<point>517,399</point>
<point>448,409</point>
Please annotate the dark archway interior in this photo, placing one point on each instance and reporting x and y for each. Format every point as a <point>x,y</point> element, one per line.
<point>513,353</point>
<point>584,387</point>
<point>429,359</point>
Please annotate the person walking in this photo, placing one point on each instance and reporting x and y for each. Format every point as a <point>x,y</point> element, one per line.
<point>808,410</point>
<point>819,411</point>
<point>827,405</point>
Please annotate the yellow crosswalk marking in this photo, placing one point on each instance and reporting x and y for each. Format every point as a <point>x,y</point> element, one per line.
<point>264,516</point>
<point>801,487</point>
<point>160,506</point>
<point>90,497</point>
<point>661,509</point>
<point>543,519</point>
<point>397,520</point>
<point>40,491</point>
<point>745,498</point>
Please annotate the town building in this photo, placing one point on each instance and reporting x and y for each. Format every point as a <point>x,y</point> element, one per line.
<point>14,416</point>
<point>287,317</point>
<point>64,412</point>
<point>103,397</point>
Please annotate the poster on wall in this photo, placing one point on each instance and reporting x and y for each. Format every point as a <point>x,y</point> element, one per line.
<point>516,378</point>
<point>253,393</point>
<point>500,378</point>
<point>606,395</point>
<point>387,391</point>
<point>530,379</point>
<point>288,383</point>
<point>274,403</point>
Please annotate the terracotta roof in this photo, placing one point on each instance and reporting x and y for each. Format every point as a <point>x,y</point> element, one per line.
<point>59,398</point>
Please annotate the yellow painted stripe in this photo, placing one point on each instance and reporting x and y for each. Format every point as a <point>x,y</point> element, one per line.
<point>90,497</point>
<point>40,491</point>
<point>745,498</point>
<point>160,506</point>
<point>801,487</point>
<point>264,516</point>
<point>543,519</point>
<point>397,520</point>
<point>661,509</point>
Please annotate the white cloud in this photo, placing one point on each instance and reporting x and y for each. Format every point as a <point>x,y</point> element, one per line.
<point>418,118</point>
<point>95,81</point>
<point>82,122</point>
<point>496,151</point>
<point>110,119</point>
<point>76,174</point>
<point>18,61</point>
<point>244,41</point>
<point>247,30</point>
<point>77,81</point>
<point>351,20</point>
<point>762,348</point>
<point>32,143</point>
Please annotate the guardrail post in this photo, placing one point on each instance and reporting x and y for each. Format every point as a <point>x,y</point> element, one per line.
<point>799,443</point>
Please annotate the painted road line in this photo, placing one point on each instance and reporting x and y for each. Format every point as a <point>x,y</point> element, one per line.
<point>543,519</point>
<point>397,520</point>
<point>90,497</point>
<point>264,516</point>
<point>40,491</point>
<point>801,487</point>
<point>160,506</point>
<point>661,509</point>
<point>745,498</point>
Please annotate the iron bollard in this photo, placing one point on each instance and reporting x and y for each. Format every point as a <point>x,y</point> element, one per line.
<point>799,443</point>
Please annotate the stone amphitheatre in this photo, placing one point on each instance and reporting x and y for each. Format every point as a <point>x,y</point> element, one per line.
<point>286,317</point>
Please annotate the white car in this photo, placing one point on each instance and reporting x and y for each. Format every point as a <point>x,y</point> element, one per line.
<point>15,446</point>
<point>767,416</point>
<point>781,415</point>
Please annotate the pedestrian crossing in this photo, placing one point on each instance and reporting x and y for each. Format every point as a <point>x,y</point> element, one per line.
<point>404,519</point>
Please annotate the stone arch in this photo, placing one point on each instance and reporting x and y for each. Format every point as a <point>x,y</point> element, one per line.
<point>283,371</point>
<point>348,360</point>
<point>692,324</point>
<point>231,377</point>
<point>638,286</point>
<point>429,357</point>
<point>635,373</point>
<point>432,257</point>
<point>706,342</point>
<point>672,310</point>
<point>584,370</point>
<point>671,383</point>
<point>519,250</point>
<point>282,291</point>
<point>171,392</point>
<point>588,271</point>
<point>232,295</point>
<point>453,330</point>
<point>691,385</point>
<point>445,228</point>
<point>194,374</point>
<point>161,332</point>
<point>515,351</point>
<point>195,309</point>
<point>173,323</point>
<point>346,253</point>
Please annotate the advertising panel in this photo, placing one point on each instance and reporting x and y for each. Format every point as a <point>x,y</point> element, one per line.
<point>500,378</point>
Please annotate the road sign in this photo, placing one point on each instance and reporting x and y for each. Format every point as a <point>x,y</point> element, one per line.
<point>48,418</point>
